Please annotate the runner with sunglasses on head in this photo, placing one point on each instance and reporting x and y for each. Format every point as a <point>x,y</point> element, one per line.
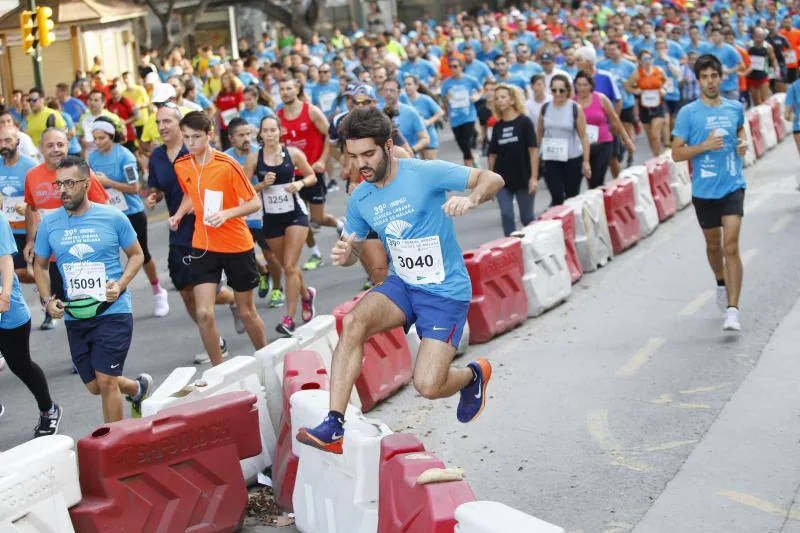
<point>85,239</point>
<point>116,168</point>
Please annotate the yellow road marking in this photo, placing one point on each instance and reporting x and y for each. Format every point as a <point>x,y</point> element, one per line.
<point>599,430</point>
<point>780,223</point>
<point>617,527</point>
<point>641,357</point>
<point>749,500</point>
<point>710,388</point>
<point>688,406</point>
<point>697,304</point>
<point>671,445</point>
<point>662,400</point>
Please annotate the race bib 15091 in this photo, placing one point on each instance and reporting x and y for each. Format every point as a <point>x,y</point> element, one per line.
<point>85,279</point>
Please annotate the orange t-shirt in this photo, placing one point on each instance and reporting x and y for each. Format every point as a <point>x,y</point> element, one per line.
<point>40,193</point>
<point>793,36</point>
<point>221,174</point>
<point>746,60</point>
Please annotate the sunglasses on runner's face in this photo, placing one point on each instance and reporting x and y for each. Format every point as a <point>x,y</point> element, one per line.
<point>559,90</point>
<point>455,65</point>
<point>66,184</point>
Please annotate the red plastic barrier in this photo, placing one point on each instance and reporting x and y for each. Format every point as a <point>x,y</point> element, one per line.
<point>498,301</point>
<point>755,132</point>
<point>658,172</point>
<point>302,370</point>
<point>566,215</point>
<point>777,118</point>
<point>174,472</point>
<point>404,506</point>
<point>623,226</point>
<point>386,365</point>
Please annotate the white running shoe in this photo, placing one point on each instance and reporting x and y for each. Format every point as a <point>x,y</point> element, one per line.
<point>722,298</point>
<point>203,358</point>
<point>161,303</point>
<point>732,320</point>
<point>2,362</point>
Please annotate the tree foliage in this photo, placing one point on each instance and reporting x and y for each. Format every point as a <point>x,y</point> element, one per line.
<point>301,16</point>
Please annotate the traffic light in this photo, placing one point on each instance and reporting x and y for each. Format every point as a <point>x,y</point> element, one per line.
<point>28,37</point>
<point>45,26</point>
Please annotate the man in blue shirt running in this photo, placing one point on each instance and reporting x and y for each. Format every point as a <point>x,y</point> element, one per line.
<point>459,94</point>
<point>13,168</point>
<point>710,132</point>
<point>791,110</point>
<point>85,239</point>
<point>404,201</point>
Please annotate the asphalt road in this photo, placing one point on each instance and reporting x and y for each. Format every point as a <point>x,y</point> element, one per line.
<point>594,407</point>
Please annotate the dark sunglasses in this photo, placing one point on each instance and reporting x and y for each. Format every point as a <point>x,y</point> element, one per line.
<point>455,65</point>
<point>559,91</point>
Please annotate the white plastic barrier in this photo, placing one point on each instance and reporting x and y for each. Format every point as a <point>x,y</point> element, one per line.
<point>235,374</point>
<point>547,280</point>
<point>781,98</point>
<point>414,341</point>
<point>336,493</point>
<point>320,336</point>
<point>592,239</point>
<point>494,517</point>
<point>749,158</point>
<point>38,484</point>
<point>270,360</point>
<point>646,210</point>
<point>767,125</point>
<point>680,179</point>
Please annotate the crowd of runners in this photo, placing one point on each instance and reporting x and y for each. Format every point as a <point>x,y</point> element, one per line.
<point>244,151</point>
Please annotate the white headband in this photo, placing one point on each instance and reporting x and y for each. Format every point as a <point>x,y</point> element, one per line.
<point>104,126</point>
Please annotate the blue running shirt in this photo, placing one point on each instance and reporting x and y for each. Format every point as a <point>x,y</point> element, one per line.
<point>116,165</point>
<point>18,312</point>
<point>458,92</point>
<point>12,189</point>
<point>717,173</point>
<point>793,101</point>
<point>407,215</point>
<point>84,246</point>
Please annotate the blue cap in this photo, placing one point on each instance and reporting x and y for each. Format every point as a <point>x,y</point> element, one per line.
<point>348,90</point>
<point>366,90</point>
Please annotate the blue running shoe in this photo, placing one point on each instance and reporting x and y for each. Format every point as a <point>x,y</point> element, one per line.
<point>328,436</point>
<point>473,396</point>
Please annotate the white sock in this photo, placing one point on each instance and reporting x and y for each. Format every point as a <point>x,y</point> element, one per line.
<point>221,341</point>
<point>315,251</point>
